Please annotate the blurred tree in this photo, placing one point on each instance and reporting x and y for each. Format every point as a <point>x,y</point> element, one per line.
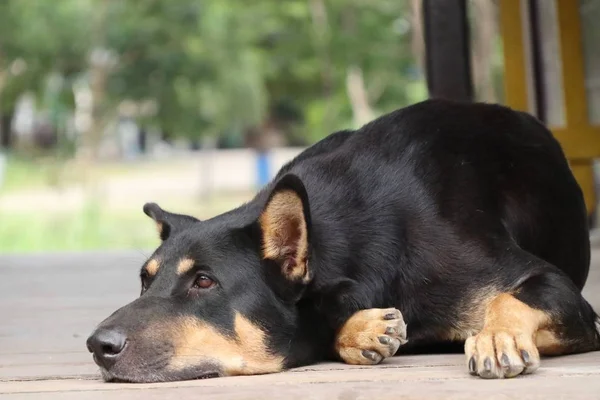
<point>38,39</point>
<point>357,64</point>
<point>253,71</point>
<point>212,68</point>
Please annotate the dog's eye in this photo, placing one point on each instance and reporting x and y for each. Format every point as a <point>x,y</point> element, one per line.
<point>203,282</point>
<point>144,278</point>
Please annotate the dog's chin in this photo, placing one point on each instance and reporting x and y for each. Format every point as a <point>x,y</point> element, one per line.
<point>160,376</point>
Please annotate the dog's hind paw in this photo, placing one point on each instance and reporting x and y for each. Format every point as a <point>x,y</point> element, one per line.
<point>499,354</point>
<point>371,335</point>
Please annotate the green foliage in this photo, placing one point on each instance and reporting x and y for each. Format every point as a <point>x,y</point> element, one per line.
<point>218,66</point>
<point>37,38</point>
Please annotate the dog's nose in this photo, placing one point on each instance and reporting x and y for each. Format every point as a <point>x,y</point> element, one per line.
<point>106,345</point>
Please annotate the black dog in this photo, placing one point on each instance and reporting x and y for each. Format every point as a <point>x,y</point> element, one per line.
<point>465,217</point>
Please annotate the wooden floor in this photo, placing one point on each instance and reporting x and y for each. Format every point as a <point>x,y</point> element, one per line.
<point>50,303</point>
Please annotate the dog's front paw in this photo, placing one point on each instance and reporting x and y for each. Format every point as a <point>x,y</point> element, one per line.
<point>501,354</point>
<point>371,335</point>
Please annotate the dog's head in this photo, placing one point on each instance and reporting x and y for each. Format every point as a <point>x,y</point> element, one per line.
<point>218,297</point>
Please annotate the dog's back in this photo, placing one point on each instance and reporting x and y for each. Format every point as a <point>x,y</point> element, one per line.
<point>420,171</point>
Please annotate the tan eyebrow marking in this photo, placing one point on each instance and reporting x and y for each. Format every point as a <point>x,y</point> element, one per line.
<point>184,266</point>
<point>152,267</point>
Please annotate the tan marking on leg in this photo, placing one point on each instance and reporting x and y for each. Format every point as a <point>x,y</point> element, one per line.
<point>152,267</point>
<point>197,343</point>
<point>506,346</point>
<point>548,343</point>
<point>471,316</point>
<point>371,335</point>
<point>184,266</point>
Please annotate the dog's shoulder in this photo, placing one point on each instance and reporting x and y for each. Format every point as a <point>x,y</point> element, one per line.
<point>407,127</point>
<point>324,146</point>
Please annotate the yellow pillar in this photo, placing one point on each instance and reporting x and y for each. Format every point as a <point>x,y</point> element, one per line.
<point>579,135</point>
<point>580,140</point>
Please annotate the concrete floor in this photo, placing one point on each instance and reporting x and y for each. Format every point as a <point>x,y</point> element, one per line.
<point>50,303</point>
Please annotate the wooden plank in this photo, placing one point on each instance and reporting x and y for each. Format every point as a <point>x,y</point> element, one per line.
<point>572,377</point>
<point>49,304</point>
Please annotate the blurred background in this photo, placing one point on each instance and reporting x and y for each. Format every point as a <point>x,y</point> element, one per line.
<point>195,104</point>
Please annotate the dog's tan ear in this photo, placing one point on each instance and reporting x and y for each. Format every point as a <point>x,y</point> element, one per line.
<point>285,226</point>
<point>168,223</point>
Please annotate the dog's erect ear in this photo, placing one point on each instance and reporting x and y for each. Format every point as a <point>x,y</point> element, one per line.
<point>285,226</point>
<point>166,222</point>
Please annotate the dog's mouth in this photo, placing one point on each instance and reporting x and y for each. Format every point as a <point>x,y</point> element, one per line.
<point>157,377</point>
<point>114,379</point>
<point>209,375</point>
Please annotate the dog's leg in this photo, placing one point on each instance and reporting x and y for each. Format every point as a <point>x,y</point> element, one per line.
<point>362,334</point>
<point>545,315</point>
<point>369,336</point>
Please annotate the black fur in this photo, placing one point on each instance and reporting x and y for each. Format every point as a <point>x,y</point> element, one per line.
<point>419,210</point>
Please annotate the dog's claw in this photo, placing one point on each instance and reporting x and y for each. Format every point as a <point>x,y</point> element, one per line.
<point>472,366</point>
<point>371,355</point>
<point>391,316</point>
<point>487,365</point>
<point>385,339</point>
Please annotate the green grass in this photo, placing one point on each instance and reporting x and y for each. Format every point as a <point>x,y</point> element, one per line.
<point>86,229</point>
<point>24,172</point>
<point>21,173</point>
<point>27,172</point>
<point>93,227</point>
